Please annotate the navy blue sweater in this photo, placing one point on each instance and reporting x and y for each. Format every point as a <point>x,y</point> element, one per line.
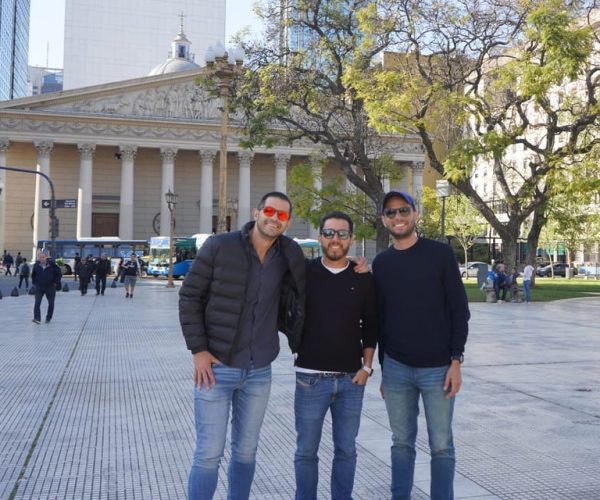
<point>424,309</point>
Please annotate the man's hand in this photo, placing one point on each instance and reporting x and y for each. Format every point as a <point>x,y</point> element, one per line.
<point>453,380</point>
<point>361,377</point>
<point>362,264</point>
<point>203,373</point>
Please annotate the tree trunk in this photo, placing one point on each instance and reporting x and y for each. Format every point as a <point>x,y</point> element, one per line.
<point>382,238</point>
<point>466,249</point>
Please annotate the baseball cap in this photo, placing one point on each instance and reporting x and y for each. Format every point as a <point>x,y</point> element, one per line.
<point>398,194</point>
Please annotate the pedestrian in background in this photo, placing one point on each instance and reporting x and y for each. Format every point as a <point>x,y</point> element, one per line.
<point>24,273</point>
<point>102,270</point>
<point>84,271</point>
<point>131,271</point>
<point>423,333</point>
<point>45,276</point>
<point>527,275</point>
<point>76,262</point>
<point>8,262</point>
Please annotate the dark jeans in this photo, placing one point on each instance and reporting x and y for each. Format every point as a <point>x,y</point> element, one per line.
<point>50,293</point>
<point>499,288</point>
<point>7,272</point>
<point>83,284</point>
<point>26,278</point>
<point>100,283</point>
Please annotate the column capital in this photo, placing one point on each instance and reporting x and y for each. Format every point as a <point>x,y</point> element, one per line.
<point>43,148</point>
<point>418,166</point>
<point>207,155</point>
<point>245,158</point>
<point>127,151</point>
<point>282,160</point>
<point>86,150</point>
<point>4,144</point>
<point>168,153</point>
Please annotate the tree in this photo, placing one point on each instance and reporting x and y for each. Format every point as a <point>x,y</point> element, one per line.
<point>509,84</point>
<point>463,222</point>
<point>296,93</point>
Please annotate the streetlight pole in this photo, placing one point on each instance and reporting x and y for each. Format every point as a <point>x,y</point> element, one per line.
<point>53,219</point>
<point>224,67</point>
<point>442,188</point>
<point>171,202</point>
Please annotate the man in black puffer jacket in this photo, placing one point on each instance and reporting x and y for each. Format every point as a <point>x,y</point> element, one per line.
<point>241,288</point>
<point>45,276</point>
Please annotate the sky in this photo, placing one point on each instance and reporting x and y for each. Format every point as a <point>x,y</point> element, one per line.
<point>46,31</point>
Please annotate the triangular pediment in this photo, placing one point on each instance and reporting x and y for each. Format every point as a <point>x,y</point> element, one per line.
<point>175,97</point>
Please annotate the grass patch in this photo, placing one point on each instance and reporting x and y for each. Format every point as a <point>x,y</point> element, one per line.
<point>545,289</point>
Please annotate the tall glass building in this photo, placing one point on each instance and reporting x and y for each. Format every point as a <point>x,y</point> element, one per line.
<point>14,48</point>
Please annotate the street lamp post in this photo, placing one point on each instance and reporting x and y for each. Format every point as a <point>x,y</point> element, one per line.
<point>171,202</point>
<point>442,189</point>
<point>224,67</point>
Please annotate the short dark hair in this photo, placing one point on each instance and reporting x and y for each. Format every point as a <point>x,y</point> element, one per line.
<point>274,194</point>
<point>336,214</point>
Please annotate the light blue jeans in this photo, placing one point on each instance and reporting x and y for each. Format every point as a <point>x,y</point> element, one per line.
<point>402,386</point>
<point>315,394</point>
<point>246,393</point>
<point>527,289</point>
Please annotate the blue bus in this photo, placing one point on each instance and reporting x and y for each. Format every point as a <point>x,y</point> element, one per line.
<point>113,247</point>
<point>311,248</point>
<point>184,252</point>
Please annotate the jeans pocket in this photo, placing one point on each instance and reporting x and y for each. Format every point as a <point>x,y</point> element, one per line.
<point>304,380</point>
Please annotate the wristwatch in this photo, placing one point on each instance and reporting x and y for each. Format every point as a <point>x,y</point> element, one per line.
<point>456,357</point>
<point>368,369</point>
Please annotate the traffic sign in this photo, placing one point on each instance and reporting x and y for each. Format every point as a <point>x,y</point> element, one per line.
<point>69,203</point>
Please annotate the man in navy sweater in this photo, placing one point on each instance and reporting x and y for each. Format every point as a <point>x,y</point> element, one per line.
<point>334,359</point>
<point>45,276</point>
<point>423,333</point>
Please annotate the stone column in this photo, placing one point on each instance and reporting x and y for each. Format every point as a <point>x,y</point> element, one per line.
<point>244,208</point>
<point>84,192</point>
<point>41,216</point>
<point>417,171</point>
<point>281,164</point>
<point>317,171</point>
<point>4,145</point>
<point>403,186</point>
<point>206,190</point>
<point>167,155</point>
<point>127,153</point>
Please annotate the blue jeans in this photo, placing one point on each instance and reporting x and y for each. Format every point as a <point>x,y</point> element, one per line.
<point>402,386</point>
<point>527,289</point>
<point>246,392</point>
<point>315,394</point>
<point>50,292</point>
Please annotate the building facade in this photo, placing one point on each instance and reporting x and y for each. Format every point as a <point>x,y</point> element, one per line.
<point>116,40</point>
<point>14,48</point>
<point>118,147</point>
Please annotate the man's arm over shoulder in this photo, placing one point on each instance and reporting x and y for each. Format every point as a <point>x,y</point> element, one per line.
<point>370,312</point>
<point>193,297</point>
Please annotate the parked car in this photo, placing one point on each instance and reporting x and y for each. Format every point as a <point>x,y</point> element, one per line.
<point>559,270</point>
<point>471,269</point>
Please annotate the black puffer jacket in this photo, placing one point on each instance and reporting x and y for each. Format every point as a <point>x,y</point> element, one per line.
<point>213,294</point>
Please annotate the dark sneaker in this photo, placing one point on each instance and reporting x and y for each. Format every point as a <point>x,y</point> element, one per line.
<point>48,320</point>
<point>126,295</point>
<point>37,321</point>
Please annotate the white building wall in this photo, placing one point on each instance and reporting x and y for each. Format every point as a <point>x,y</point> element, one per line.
<point>115,40</point>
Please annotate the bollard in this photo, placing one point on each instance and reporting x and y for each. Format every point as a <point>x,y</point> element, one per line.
<point>0,295</point>
<point>65,288</point>
<point>15,292</point>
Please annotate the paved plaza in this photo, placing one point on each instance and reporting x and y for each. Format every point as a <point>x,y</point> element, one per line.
<point>98,405</point>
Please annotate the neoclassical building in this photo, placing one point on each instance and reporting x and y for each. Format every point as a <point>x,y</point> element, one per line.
<point>117,148</point>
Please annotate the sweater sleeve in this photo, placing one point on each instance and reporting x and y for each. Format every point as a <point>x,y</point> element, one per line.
<point>456,298</point>
<point>193,297</point>
<point>370,316</point>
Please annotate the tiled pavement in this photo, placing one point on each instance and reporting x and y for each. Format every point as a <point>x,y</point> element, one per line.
<point>98,405</point>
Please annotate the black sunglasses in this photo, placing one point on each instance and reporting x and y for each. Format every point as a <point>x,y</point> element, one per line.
<point>343,234</point>
<point>390,213</point>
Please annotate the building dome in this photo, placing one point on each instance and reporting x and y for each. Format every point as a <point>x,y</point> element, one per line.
<point>179,58</point>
